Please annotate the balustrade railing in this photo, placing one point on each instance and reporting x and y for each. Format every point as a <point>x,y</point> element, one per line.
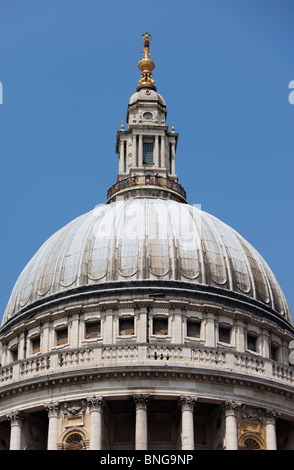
<point>146,180</point>
<point>251,363</point>
<point>208,356</point>
<point>115,355</point>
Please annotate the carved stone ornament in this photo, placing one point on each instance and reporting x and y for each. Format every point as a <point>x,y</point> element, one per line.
<point>15,418</point>
<point>52,409</point>
<point>96,403</point>
<point>74,408</point>
<point>271,416</point>
<point>251,414</point>
<point>141,401</point>
<point>187,402</point>
<point>231,407</point>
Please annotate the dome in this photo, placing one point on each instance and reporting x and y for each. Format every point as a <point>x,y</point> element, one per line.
<point>146,95</point>
<point>147,239</point>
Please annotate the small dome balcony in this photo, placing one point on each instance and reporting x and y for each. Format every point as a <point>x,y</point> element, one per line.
<point>147,186</point>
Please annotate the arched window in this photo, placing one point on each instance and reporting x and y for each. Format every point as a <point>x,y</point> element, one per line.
<point>74,441</point>
<point>251,444</point>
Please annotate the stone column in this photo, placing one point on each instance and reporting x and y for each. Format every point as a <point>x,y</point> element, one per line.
<point>156,151</point>
<point>173,159</point>
<point>122,157</point>
<point>140,162</point>
<point>210,330</point>
<point>96,410</point>
<point>231,425</point>
<point>162,152</point>
<point>141,434</point>
<point>53,415</point>
<point>240,336</point>
<point>15,419</point>
<point>134,151</point>
<point>271,437</point>
<point>187,407</point>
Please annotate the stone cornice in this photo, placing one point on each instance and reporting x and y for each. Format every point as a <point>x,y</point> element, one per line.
<point>115,304</point>
<point>227,379</point>
<point>111,294</point>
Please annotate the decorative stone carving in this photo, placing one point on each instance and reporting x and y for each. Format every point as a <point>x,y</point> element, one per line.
<point>95,403</point>
<point>251,413</point>
<point>141,401</point>
<point>15,418</point>
<point>52,409</point>
<point>187,403</point>
<point>231,407</point>
<point>271,416</point>
<point>74,408</point>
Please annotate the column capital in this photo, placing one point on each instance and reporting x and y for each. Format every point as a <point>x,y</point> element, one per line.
<point>141,401</point>
<point>96,403</point>
<point>271,415</point>
<point>231,407</point>
<point>15,418</point>
<point>52,409</point>
<point>187,402</point>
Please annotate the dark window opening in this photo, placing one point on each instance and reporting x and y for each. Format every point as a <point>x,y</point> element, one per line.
<point>14,354</point>
<point>193,329</point>
<point>224,335</point>
<point>36,345</point>
<point>251,342</point>
<point>147,152</point>
<point>93,330</point>
<point>61,336</point>
<point>126,326</point>
<point>160,326</point>
<point>273,353</point>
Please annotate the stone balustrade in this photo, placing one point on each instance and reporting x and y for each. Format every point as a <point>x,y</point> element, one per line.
<point>134,182</point>
<point>124,355</point>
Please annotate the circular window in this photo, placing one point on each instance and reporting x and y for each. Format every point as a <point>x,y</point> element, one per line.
<point>147,115</point>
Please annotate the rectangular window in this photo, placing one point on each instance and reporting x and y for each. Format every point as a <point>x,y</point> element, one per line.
<point>224,335</point>
<point>193,329</point>
<point>36,345</point>
<point>14,354</point>
<point>251,342</point>
<point>61,336</point>
<point>147,152</point>
<point>274,353</point>
<point>160,326</point>
<point>126,326</point>
<point>92,330</point>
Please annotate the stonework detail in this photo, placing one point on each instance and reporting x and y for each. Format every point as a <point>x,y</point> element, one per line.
<point>141,401</point>
<point>187,403</point>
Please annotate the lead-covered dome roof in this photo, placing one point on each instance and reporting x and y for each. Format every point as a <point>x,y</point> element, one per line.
<point>146,95</point>
<point>146,239</point>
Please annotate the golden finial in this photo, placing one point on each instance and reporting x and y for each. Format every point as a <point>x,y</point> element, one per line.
<point>146,65</point>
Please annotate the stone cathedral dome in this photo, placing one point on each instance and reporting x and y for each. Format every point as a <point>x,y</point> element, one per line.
<point>146,323</point>
<point>142,239</point>
<point>146,231</point>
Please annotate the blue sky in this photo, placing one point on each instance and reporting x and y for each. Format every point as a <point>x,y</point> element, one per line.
<point>68,68</point>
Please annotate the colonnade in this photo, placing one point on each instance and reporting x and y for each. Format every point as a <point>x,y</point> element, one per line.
<point>186,403</point>
<point>137,153</point>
